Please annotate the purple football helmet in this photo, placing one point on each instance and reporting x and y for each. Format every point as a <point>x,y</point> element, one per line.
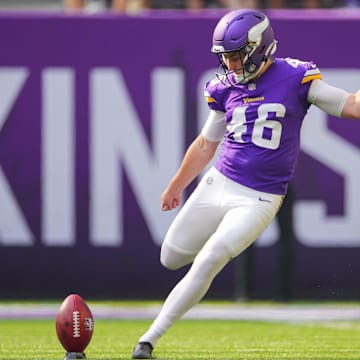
<point>248,31</point>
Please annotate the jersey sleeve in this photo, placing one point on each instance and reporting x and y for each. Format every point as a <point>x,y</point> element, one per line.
<point>311,72</point>
<point>213,95</point>
<point>305,72</point>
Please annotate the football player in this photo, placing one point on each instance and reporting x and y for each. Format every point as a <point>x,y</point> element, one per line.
<point>257,106</point>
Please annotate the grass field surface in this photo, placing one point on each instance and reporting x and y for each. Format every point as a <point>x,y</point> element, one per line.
<point>191,339</point>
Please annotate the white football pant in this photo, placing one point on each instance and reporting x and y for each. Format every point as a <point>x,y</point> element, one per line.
<point>219,221</point>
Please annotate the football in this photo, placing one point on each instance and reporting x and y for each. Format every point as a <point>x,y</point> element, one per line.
<point>74,324</point>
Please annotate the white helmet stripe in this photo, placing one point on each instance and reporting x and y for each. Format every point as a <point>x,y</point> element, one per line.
<point>254,34</point>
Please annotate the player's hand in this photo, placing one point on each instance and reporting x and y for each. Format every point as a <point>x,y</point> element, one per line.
<point>170,199</point>
<point>357,95</point>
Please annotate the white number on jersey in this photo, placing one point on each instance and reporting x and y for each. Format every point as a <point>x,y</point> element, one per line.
<point>294,62</point>
<point>238,125</point>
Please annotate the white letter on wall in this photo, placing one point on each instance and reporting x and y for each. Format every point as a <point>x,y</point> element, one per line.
<point>118,138</point>
<point>13,228</point>
<point>58,157</point>
<point>313,226</point>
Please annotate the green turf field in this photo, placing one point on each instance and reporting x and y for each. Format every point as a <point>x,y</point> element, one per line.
<point>191,339</point>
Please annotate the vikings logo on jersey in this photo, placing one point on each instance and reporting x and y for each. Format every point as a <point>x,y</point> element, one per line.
<point>263,124</point>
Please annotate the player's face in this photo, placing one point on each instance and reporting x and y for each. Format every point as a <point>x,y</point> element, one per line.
<point>234,61</point>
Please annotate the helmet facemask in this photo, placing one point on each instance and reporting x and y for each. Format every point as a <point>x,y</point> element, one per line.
<point>232,77</point>
<point>249,69</point>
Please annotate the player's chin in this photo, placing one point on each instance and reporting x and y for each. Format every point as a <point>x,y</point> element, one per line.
<point>238,72</point>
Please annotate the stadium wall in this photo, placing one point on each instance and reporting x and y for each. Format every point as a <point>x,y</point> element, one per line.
<point>95,114</point>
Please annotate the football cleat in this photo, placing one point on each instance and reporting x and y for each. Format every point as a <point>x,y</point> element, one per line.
<point>143,350</point>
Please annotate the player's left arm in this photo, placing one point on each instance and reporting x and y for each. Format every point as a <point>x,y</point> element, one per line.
<point>351,108</point>
<point>333,100</point>
<point>197,156</point>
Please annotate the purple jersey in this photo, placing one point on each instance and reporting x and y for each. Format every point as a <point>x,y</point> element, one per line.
<point>264,117</point>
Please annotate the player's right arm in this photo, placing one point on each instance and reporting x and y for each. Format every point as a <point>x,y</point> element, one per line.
<point>197,156</point>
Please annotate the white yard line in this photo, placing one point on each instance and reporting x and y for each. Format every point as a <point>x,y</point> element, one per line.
<point>290,313</point>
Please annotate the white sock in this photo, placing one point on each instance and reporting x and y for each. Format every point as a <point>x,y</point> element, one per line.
<point>189,291</point>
